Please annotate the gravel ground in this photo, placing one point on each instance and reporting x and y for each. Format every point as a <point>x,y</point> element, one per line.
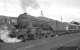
<point>45,44</point>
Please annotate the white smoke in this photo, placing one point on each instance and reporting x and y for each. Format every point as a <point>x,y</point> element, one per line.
<point>29,3</point>
<point>4,35</point>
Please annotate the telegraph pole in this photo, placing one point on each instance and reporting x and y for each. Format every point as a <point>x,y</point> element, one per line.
<point>42,13</point>
<point>61,19</point>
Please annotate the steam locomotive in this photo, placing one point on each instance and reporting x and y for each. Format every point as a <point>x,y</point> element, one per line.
<point>31,28</point>
<point>27,27</point>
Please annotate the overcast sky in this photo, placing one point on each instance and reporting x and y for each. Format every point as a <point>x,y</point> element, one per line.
<point>68,9</point>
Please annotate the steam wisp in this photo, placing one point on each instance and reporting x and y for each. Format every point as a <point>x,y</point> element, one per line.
<point>29,3</point>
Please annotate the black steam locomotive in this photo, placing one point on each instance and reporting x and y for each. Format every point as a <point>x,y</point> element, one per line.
<point>27,27</point>
<point>32,28</point>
